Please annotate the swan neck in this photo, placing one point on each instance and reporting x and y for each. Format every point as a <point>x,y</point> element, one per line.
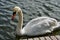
<point>20,23</point>
<point>20,20</point>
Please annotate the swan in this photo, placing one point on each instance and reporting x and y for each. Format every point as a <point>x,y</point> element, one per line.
<point>37,26</point>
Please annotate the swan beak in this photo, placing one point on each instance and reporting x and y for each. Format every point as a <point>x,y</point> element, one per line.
<point>13,16</point>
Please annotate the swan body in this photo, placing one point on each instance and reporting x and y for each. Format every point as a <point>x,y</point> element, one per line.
<point>40,26</point>
<point>37,26</point>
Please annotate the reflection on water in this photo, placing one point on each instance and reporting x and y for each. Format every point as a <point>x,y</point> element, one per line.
<point>30,8</point>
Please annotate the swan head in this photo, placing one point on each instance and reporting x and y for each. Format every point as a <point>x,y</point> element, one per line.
<point>16,9</point>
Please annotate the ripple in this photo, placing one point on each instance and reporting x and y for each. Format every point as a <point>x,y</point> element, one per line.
<point>2,37</point>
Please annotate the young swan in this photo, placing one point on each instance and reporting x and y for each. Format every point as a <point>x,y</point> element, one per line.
<point>37,26</point>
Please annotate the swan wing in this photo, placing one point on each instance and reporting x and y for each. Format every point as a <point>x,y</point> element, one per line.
<point>37,29</point>
<point>36,20</point>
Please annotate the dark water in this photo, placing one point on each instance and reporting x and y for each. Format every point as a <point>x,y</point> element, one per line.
<point>31,9</point>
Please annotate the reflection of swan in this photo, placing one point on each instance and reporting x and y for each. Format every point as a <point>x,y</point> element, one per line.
<point>37,26</point>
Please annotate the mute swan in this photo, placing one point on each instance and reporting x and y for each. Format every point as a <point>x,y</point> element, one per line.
<point>37,26</point>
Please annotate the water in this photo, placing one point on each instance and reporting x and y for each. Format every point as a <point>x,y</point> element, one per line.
<point>31,9</point>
